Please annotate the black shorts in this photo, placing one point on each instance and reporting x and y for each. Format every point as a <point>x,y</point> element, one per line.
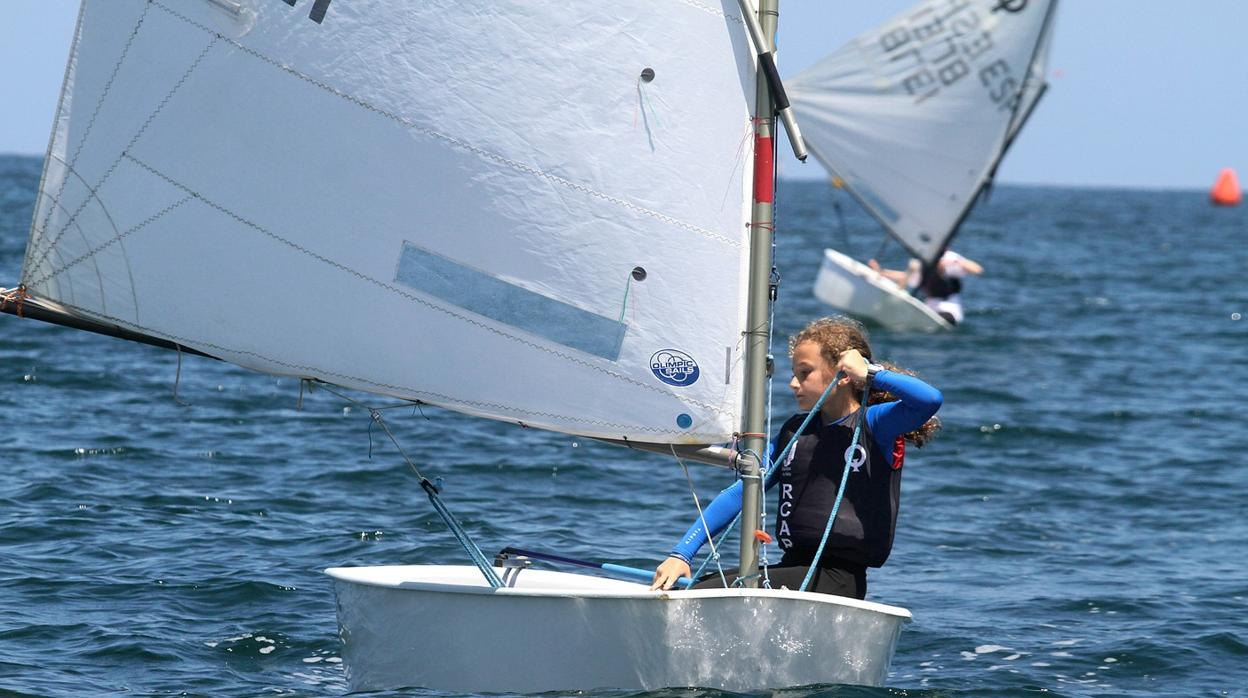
<point>850,580</point>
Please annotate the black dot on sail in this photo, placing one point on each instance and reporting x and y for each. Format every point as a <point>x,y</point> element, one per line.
<point>647,74</point>
<point>639,274</point>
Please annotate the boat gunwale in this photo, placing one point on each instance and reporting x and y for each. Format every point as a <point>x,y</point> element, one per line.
<point>354,575</point>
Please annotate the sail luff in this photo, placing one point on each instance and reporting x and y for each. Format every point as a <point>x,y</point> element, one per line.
<point>1036,76</point>
<point>57,126</point>
<point>1022,111</point>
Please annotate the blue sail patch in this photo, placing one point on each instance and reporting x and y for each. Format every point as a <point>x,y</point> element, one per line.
<point>491,297</point>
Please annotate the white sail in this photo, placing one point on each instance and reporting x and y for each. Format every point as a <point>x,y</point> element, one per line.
<point>534,212</point>
<point>914,116</point>
<point>1035,84</point>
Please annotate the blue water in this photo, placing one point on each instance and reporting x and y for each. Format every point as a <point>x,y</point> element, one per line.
<point>1077,529</point>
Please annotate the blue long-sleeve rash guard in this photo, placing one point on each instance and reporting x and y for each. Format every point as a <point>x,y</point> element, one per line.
<point>918,402</point>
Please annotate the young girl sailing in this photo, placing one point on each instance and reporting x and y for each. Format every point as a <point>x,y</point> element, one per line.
<point>900,408</point>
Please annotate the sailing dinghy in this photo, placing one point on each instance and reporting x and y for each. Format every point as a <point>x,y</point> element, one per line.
<point>538,213</point>
<point>913,117</point>
<point>863,292</point>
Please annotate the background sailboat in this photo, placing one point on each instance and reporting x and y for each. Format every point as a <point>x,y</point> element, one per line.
<point>914,117</point>
<point>439,203</point>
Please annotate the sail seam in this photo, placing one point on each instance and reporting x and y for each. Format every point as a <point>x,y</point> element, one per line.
<point>99,104</point>
<point>435,398</point>
<point>715,11</point>
<point>417,299</point>
<point>109,243</point>
<point>138,134</point>
<point>480,152</point>
<point>111,223</point>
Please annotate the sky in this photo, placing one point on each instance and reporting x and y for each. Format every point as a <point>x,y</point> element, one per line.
<point>1142,94</point>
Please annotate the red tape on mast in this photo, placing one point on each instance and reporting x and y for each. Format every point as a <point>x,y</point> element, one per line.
<point>764,170</point>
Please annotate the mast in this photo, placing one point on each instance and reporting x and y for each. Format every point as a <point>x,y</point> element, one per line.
<point>758,322</point>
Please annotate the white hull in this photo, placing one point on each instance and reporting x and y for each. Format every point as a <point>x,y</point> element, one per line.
<point>859,290</point>
<point>442,627</point>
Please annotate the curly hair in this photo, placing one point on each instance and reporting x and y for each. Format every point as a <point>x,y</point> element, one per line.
<point>835,335</point>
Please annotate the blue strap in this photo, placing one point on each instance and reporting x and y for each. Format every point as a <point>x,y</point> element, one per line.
<point>780,458</point>
<point>640,575</point>
<point>853,446</point>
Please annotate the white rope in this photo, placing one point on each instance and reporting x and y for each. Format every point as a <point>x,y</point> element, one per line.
<point>709,538</point>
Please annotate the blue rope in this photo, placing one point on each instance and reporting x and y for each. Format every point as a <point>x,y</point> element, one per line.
<point>474,552</point>
<point>783,454</point>
<point>853,446</point>
<point>773,287</point>
<point>461,535</point>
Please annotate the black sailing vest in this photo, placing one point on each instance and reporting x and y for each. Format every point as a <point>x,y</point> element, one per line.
<point>937,285</point>
<point>808,482</point>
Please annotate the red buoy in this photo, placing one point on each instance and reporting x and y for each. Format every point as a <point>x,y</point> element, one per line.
<point>1226,191</point>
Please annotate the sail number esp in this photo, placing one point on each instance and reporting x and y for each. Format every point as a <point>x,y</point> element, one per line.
<point>941,44</point>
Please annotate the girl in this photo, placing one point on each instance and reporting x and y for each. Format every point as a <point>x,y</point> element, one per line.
<point>900,408</point>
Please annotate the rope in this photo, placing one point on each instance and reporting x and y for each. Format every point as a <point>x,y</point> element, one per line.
<point>15,296</point>
<point>431,490</point>
<point>177,379</point>
<point>772,292</point>
<point>853,446</point>
<point>628,285</point>
<point>778,459</point>
<point>702,517</point>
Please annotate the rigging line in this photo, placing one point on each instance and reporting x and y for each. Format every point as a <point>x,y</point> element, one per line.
<point>177,379</point>
<point>782,455</point>
<point>773,293</point>
<point>431,490</point>
<point>628,284</point>
<point>738,161</point>
<point>840,493</point>
<point>701,517</point>
<point>763,562</point>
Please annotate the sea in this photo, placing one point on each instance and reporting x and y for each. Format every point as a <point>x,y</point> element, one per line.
<point>1079,527</point>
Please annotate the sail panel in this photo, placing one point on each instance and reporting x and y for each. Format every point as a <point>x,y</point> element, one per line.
<point>490,206</point>
<point>1036,81</point>
<point>914,115</point>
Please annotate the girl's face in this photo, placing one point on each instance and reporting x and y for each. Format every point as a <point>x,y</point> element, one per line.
<point>811,374</point>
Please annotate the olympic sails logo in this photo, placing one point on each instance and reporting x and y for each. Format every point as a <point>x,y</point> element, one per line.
<point>674,367</point>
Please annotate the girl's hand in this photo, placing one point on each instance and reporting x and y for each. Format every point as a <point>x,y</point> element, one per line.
<point>853,364</point>
<point>669,571</point>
